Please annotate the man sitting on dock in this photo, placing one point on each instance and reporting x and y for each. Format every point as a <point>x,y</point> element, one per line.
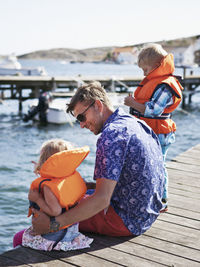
<point>129,171</point>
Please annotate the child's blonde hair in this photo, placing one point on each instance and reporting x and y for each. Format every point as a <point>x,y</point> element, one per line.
<point>151,55</point>
<point>49,148</point>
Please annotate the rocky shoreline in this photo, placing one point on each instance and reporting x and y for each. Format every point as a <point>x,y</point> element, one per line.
<point>98,54</point>
<point>72,55</point>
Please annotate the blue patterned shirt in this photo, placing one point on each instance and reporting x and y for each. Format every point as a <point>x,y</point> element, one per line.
<point>161,99</point>
<point>128,152</point>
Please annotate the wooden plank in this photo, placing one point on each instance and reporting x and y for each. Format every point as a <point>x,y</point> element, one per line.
<point>184,192</point>
<point>191,153</point>
<point>177,238</point>
<point>183,167</point>
<point>180,202</point>
<point>177,228</point>
<point>31,257</point>
<point>121,253</point>
<point>191,179</point>
<point>187,222</point>
<point>190,156</point>
<point>81,257</point>
<point>178,175</point>
<point>121,257</point>
<point>151,252</point>
<point>4,261</point>
<point>171,248</point>
<point>187,189</point>
<point>183,213</point>
<point>186,160</point>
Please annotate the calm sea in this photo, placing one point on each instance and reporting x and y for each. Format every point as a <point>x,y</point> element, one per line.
<point>20,143</point>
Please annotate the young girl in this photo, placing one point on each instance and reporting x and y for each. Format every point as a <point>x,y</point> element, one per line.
<point>58,189</point>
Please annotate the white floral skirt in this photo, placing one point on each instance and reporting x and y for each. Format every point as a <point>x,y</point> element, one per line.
<point>66,239</point>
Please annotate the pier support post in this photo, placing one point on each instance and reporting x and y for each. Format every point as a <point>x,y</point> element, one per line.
<point>20,100</point>
<point>53,86</point>
<point>183,102</point>
<point>190,99</point>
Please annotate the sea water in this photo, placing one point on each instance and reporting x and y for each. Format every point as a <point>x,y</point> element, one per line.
<point>20,143</point>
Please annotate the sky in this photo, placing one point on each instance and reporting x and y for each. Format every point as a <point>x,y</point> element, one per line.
<point>31,25</point>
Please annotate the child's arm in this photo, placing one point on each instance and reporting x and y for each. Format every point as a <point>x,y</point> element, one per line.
<point>161,99</point>
<point>49,204</point>
<point>131,102</point>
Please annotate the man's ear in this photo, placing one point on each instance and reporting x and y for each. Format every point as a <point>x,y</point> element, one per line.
<point>99,105</point>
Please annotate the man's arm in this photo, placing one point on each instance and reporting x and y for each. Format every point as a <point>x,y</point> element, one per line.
<point>85,209</point>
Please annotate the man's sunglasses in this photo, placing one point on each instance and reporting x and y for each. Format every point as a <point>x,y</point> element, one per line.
<point>81,117</point>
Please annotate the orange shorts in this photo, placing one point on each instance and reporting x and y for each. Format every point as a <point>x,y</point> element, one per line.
<point>105,223</point>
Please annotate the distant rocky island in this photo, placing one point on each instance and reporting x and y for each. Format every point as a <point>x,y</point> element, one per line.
<point>98,54</point>
<point>73,55</point>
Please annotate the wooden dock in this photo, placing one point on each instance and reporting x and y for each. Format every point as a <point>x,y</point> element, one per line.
<point>18,86</point>
<point>173,240</point>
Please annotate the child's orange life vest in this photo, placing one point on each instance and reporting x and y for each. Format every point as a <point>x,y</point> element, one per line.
<point>162,74</point>
<point>59,173</point>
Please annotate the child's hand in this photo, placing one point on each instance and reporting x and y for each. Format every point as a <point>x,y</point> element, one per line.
<point>33,195</point>
<point>129,101</point>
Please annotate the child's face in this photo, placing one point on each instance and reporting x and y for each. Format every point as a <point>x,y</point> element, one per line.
<point>146,68</point>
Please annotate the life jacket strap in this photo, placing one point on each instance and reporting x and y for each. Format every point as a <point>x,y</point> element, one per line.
<point>163,116</point>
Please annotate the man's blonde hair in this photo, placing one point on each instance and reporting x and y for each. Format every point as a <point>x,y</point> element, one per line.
<point>151,55</point>
<point>49,148</point>
<point>88,93</point>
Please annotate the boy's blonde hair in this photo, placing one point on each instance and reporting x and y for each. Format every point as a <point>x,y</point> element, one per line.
<point>49,148</point>
<point>151,55</point>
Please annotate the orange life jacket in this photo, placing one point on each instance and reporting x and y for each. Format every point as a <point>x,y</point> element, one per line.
<point>162,74</point>
<point>59,173</point>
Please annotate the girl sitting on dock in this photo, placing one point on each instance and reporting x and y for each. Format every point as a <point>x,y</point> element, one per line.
<point>58,189</point>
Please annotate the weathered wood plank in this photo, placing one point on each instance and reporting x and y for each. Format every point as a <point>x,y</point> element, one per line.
<point>122,254</point>
<point>178,176</point>
<point>171,248</point>
<point>180,202</point>
<point>151,252</point>
<point>187,222</point>
<point>184,192</point>
<point>183,213</point>
<point>4,261</point>
<point>187,160</point>
<point>185,189</point>
<point>184,167</point>
<point>177,228</point>
<point>177,238</point>
<point>30,257</point>
<point>82,257</point>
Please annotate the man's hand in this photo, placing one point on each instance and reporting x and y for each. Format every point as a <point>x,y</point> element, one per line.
<point>40,222</point>
<point>33,195</point>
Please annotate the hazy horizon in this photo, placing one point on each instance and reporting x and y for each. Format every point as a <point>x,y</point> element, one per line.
<point>29,26</point>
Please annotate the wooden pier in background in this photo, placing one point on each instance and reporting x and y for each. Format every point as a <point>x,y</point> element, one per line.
<point>173,240</point>
<point>28,87</point>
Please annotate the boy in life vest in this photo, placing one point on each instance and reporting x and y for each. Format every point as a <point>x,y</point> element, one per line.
<point>156,97</point>
<point>58,189</point>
